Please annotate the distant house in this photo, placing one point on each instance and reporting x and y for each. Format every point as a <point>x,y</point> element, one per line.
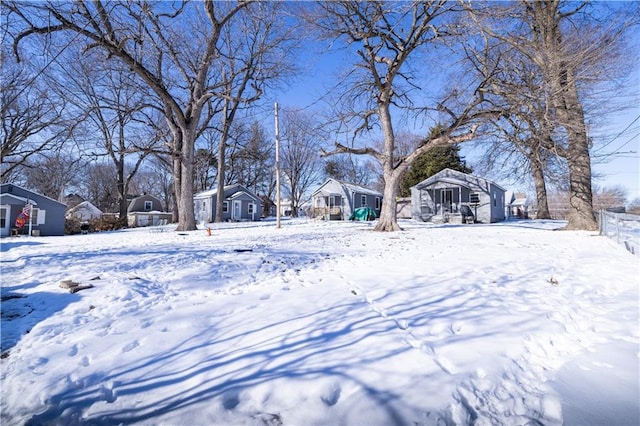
<point>516,205</point>
<point>336,200</point>
<point>146,210</point>
<point>450,195</point>
<point>84,212</point>
<point>239,204</point>
<point>46,214</point>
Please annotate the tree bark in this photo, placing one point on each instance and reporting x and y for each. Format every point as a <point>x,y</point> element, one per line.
<point>537,173</point>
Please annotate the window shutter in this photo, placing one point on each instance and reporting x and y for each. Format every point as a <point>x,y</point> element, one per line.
<point>41,216</point>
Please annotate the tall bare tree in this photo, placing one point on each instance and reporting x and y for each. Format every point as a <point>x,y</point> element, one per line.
<point>169,46</point>
<point>385,37</point>
<point>299,155</point>
<point>563,49</point>
<point>116,121</point>
<point>255,53</point>
<point>34,121</point>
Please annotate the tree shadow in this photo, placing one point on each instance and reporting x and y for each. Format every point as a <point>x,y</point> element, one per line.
<point>5,246</point>
<point>224,370</point>
<point>21,312</point>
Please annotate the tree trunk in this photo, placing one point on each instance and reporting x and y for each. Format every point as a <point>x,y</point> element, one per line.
<point>221,172</point>
<point>388,212</point>
<point>187,219</point>
<point>537,173</point>
<point>581,216</point>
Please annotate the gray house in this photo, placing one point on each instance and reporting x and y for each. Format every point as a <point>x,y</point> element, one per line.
<point>46,214</point>
<point>239,204</point>
<point>335,200</point>
<point>146,210</point>
<point>449,195</point>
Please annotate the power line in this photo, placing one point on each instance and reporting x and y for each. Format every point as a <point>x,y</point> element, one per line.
<point>42,70</point>
<point>618,135</point>
<point>617,151</point>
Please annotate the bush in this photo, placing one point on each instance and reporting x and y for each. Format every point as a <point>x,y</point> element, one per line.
<point>105,223</point>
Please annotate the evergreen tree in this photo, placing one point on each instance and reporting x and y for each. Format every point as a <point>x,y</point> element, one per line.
<point>430,163</point>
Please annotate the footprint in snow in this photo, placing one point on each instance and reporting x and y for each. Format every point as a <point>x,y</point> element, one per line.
<point>109,393</point>
<point>131,346</point>
<point>73,351</point>
<point>332,395</point>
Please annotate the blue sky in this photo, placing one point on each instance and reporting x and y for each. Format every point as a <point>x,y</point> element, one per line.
<point>615,156</point>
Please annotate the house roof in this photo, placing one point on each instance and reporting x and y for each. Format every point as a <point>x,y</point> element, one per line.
<point>4,190</point>
<point>6,195</point>
<point>132,202</point>
<point>348,187</point>
<point>229,191</point>
<point>85,205</point>
<point>457,178</point>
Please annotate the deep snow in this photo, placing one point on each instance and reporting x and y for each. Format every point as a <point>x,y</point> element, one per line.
<point>322,323</point>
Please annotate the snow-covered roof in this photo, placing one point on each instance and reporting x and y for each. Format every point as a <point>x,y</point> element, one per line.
<point>458,178</point>
<point>229,190</point>
<point>348,187</point>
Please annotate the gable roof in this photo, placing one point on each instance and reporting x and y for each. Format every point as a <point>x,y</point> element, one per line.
<point>5,189</point>
<point>229,191</point>
<point>457,178</point>
<point>349,187</point>
<point>85,205</point>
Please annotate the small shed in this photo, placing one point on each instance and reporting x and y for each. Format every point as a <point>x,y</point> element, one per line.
<point>146,210</point>
<point>239,204</point>
<point>84,212</point>
<point>445,196</point>
<point>336,200</point>
<point>46,214</point>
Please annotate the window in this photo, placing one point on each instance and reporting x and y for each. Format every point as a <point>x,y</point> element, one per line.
<point>474,198</point>
<point>363,200</point>
<point>225,207</point>
<point>377,203</point>
<point>3,217</point>
<point>251,208</point>
<point>495,200</point>
<point>34,216</point>
<point>148,206</point>
<point>37,216</point>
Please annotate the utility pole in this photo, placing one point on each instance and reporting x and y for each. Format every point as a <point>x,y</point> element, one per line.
<point>277,170</point>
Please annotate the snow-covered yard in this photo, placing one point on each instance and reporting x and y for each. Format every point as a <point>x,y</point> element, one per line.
<point>322,323</point>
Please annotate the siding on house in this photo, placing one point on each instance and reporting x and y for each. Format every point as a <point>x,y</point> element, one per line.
<point>84,211</point>
<point>336,200</point>
<point>146,210</point>
<point>240,204</point>
<point>440,198</point>
<point>47,217</point>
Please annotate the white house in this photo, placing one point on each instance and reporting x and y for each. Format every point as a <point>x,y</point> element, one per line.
<point>84,212</point>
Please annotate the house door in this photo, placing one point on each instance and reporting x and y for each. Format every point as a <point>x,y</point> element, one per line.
<point>5,222</point>
<point>236,213</point>
<point>447,200</point>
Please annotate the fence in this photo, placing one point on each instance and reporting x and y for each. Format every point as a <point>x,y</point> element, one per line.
<point>622,228</point>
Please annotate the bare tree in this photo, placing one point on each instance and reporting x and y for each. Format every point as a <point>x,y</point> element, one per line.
<point>562,50</point>
<point>170,47</point>
<point>33,120</point>
<point>252,161</point>
<point>385,36</point>
<point>116,120</point>
<point>608,197</point>
<point>254,52</point>
<point>299,155</point>
<point>53,174</point>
